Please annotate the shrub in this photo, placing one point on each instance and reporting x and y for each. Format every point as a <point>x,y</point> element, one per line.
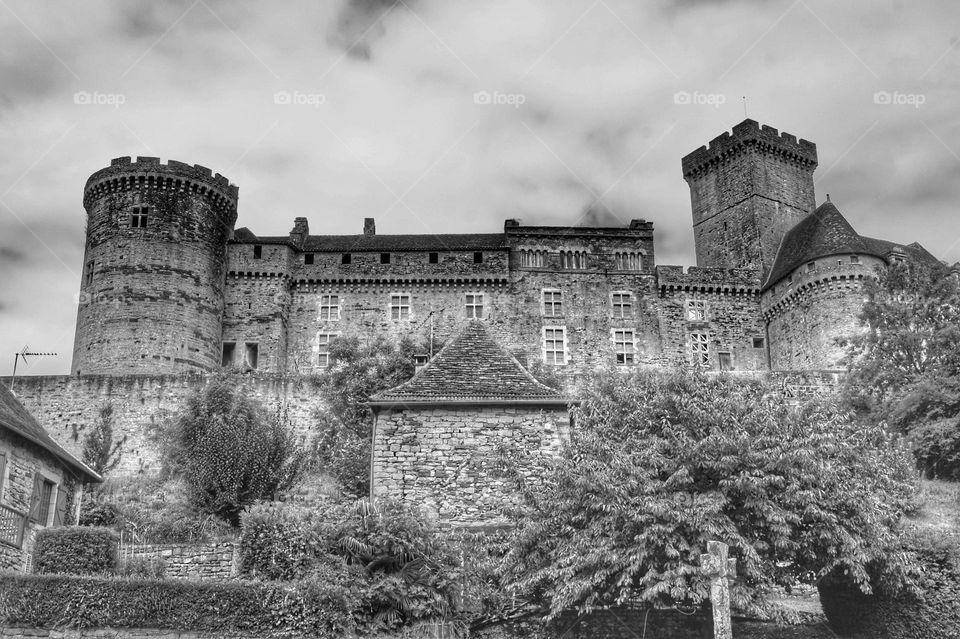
<point>282,541</point>
<point>75,550</point>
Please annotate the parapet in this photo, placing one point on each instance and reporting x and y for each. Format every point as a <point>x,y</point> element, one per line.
<point>123,171</point>
<point>750,132</point>
<point>717,280</point>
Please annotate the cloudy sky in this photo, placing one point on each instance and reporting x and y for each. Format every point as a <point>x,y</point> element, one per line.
<point>370,108</point>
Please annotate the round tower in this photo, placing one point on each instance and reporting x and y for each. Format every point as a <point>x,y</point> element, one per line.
<point>151,297</point>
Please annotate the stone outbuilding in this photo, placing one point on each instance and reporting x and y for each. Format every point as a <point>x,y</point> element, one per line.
<point>41,484</point>
<point>440,439</point>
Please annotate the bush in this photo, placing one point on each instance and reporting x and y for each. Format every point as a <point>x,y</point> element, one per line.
<point>282,541</point>
<point>75,550</point>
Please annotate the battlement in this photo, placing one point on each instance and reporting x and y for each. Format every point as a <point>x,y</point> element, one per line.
<point>719,280</point>
<point>636,228</point>
<point>750,132</point>
<point>153,173</point>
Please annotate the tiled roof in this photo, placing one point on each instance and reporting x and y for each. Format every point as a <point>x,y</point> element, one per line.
<point>14,417</point>
<point>826,232</point>
<point>471,367</point>
<point>358,243</point>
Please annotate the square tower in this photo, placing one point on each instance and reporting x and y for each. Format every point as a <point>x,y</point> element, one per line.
<point>747,190</point>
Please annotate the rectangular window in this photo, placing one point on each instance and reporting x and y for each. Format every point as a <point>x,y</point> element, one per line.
<point>622,304</point>
<point>434,258</point>
<point>400,306</point>
<point>758,342</point>
<point>552,303</point>
<point>811,266</point>
<point>345,258</point>
<point>229,348</point>
<point>854,259</point>
<point>251,354</point>
<point>40,500</point>
<point>726,361</point>
<point>699,349</point>
<point>323,348</point>
<point>624,346</point>
<point>554,345</point>
<point>308,258</point>
<point>384,258</point>
<point>696,311</point>
<point>138,217</point>
<point>88,276</point>
<point>475,305</point>
<point>329,308</point>
<point>257,251</point>
<point>478,257</point>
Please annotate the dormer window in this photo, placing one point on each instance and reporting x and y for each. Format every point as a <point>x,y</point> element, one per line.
<point>139,216</point>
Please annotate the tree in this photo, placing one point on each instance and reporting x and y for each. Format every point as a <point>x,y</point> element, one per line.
<point>905,366</point>
<point>230,451</point>
<point>100,451</point>
<point>345,424</point>
<point>660,464</point>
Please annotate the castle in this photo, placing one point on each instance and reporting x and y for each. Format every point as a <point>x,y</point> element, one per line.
<point>171,289</point>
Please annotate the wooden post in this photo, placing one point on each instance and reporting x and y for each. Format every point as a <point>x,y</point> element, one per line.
<point>718,567</point>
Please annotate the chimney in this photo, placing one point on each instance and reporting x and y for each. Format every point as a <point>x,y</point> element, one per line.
<point>369,226</point>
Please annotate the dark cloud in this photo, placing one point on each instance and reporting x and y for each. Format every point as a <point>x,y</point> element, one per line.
<point>361,23</point>
<point>10,255</point>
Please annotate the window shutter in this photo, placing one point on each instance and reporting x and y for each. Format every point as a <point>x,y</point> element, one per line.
<point>60,512</point>
<point>3,468</point>
<point>35,497</point>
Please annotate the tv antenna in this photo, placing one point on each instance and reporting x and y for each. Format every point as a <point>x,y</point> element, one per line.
<point>23,354</point>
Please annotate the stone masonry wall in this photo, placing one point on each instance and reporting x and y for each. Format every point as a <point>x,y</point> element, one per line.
<point>68,405</point>
<point>116,633</point>
<point>445,459</point>
<point>204,562</point>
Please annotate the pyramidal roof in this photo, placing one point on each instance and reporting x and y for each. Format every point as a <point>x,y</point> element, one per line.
<point>14,417</point>
<point>471,368</point>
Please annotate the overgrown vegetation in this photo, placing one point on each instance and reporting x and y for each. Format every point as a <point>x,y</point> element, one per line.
<point>100,451</point>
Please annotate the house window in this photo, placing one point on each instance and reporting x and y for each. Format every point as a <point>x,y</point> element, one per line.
<point>257,251</point>
<point>628,261</point>
<point>88,276</point>
<point>623,346</point>
<point>758,342</point>
<point>475,305</point>
<point>478,257</point>
<point>532,258</point>
<point>251,354</point>
<point>699,349</point>
<point>400,306</point>
<point>345,258</point>
<point>384,258</point>
<point>329,308</point>
<point>434,258</point>
<point>554,345</point>
<point>308,258</point>
<point>40,500</point>
<point>573,259</point>
<point>854,259</point>
<point>138,217</point>
<point>696,311</point>
<point>811,266</point>
<point>226,359</point>
<point>552,303</point>
<point>622,304</point>
<point>323,348</point>
<point>726,362</point>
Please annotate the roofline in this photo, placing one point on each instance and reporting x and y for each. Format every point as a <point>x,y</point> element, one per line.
<point>416,403</point>
<point>62,454</point>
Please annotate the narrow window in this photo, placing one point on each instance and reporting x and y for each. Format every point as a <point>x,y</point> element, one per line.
<point>400,306</point>
<point>622,304</point>
<point>323,348</point>
<point>699,349</point>
<point>478,257</point>
<point>696,311</point>
<point>257,251</point>
<point>475,305</point>
<point>40,500</point>
<point>726,362</point>
<point>434,258</point>
<point>854,259</point>
<point>345,258</point>
<point>308,258</point>
<point>329,308</point>
<point>552,303</point>
<point>229,348</point>
<point>251,354</point>
<point>623,346</point>
<point>88,276</point>
<point>758,342</point>
<point>384,258</point>
<point>138,217</point>
<point>554,346</point>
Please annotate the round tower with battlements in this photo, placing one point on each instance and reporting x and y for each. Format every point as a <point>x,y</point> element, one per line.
<point>152,289</point>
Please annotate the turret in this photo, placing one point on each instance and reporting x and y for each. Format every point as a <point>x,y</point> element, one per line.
<point>151,297</point>
<point>747,190</point>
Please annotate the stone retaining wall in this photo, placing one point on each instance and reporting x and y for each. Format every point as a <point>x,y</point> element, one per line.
<point>205,562</point>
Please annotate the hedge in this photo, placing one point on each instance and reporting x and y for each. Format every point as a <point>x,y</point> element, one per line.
<point>311,609</point>
<point>75,550</point>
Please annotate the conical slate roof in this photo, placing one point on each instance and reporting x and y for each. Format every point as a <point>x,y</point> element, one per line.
<point>471,368</point>
<point>14,417</point>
